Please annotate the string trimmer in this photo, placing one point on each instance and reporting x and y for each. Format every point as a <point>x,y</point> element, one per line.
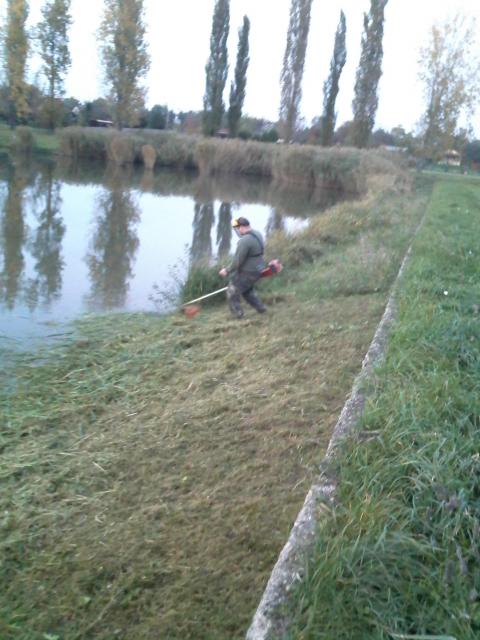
<point>191,309</point>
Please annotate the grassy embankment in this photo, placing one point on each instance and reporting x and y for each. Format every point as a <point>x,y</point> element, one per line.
<point>399,556</point>
<point>152,468</point>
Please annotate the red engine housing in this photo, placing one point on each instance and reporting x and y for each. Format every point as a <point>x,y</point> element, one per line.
<point>274,267</point>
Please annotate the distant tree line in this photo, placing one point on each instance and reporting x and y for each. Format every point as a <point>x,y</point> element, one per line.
<point>449,72</point>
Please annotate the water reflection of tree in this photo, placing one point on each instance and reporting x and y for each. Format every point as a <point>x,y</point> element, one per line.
<point>224,229</point>
<point>114,245</point>
<point>276,222</point>
<point>13,238</point>
<point>46,245</point>
<point>201,249</point>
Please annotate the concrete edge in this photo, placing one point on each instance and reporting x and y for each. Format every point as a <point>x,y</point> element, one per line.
<point>268,621</point>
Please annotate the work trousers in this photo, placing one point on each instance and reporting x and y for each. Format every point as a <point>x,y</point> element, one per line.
<point>242,284</point>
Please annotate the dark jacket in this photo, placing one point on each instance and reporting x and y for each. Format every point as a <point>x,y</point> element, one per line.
<point>248,257</point>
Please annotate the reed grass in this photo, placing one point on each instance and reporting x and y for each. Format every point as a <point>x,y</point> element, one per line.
<point>398,556</point>
<point>79,142</point>
<point>152,466</point>
<point>173,150</point>
<point>347,170</point>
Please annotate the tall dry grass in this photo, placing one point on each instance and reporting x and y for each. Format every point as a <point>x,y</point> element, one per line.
<point>314,168</point>
<point>79,142</point>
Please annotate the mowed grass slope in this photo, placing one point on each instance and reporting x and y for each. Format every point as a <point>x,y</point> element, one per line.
<point>152,468</point>
<point>399,555</point>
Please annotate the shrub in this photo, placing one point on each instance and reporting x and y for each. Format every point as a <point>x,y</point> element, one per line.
<point>268,136</point>
<point>244,135</point>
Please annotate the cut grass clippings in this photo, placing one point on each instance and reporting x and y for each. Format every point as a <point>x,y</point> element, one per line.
<point>399,555</point>
<point>152,468</point>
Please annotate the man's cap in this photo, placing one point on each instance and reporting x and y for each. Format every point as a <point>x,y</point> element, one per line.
<point>240,222</point>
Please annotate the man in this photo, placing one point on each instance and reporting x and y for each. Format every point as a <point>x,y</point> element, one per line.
<point>245,268</point>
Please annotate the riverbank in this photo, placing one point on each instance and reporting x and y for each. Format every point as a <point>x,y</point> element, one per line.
<point>152,467</point>
<point>316,169</point>
<point>398,555</point>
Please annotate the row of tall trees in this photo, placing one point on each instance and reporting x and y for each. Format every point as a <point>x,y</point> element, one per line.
<point>368,73</point>
<point>449,68</point>
<point>123,50</point>
<point>369,70</point>
<point>216,72</point>
<point>449,72</point>
<point>51,40</point>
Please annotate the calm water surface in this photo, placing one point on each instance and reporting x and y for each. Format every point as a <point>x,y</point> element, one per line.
<point>76,239</point>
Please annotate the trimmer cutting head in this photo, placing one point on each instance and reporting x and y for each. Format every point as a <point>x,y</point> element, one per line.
<point>191,310</point>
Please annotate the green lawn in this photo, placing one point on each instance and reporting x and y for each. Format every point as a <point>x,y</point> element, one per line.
<point>43,140</point>
<point>399,555</point>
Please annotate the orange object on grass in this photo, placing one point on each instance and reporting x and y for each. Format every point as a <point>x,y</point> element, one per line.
<point>191,310</point>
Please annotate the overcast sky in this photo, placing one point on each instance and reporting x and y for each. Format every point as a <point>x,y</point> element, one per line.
<point>179,34</point>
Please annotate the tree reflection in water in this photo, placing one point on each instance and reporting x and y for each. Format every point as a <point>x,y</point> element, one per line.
<point>46,245</point>
<point>13,238</point>
<point>224,229</point>
<point>114,244</point>
<point>276,222</point>
<point>201,249</point>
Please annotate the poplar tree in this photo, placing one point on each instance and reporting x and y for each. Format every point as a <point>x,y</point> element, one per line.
<point>125,58</point>
<point>237,89</point>
<point>449,72</point>
<point>369,71</point>
<point>52,35</point>
<point>293,64</point>
<point>15,52</point>
<point>216,69</point>
<point>331,86</point>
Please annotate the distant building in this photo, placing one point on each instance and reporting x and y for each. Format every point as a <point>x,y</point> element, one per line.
<point>451,158</point>
<point>100,123</point>
<point>393,149</point>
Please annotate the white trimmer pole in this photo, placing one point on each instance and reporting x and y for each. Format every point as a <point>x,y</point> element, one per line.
<point>207,295</point>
